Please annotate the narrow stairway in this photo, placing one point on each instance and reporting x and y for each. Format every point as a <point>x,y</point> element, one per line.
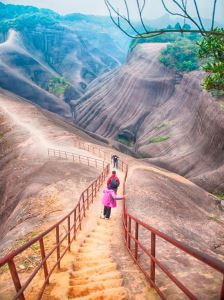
<point>99,266</point>
<point>95,274</point>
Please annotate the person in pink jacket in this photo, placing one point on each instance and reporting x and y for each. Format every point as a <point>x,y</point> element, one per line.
<point>109,200</point>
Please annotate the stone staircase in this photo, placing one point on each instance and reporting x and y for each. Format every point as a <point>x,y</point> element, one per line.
<point>99,266</point>
<point>96,275</point>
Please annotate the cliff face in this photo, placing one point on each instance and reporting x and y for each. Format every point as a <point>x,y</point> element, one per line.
<point>173,124</point>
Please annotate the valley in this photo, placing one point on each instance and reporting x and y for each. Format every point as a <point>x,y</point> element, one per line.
<point>51,58</point>
<point>74,92</point>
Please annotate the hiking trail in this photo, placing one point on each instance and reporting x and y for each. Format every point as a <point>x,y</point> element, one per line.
<point>99,266</point>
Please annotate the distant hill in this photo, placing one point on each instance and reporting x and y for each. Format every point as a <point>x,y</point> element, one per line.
<point>49,58</point>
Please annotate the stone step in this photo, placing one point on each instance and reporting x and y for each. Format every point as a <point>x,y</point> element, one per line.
<point>92,287</point>
<point>87,272</point>
<point>91,263</point>
<point>95,278</point>
<point>108,294</point>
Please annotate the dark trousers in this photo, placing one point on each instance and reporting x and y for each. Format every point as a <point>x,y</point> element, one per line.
<point>107,211</point>
<point>115,164</point>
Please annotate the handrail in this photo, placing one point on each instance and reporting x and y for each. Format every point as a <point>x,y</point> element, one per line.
<point>128,221</point>
<point>73,225</point>
<point>61,154</point>
<point>128,225</point>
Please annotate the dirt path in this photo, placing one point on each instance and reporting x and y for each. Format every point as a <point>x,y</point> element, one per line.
<point>99,267</point>
<point>41,131</point>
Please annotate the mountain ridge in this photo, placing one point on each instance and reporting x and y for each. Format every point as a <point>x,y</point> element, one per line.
<point>143,109</point>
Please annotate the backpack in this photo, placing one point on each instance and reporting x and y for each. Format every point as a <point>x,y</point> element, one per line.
<point>113,184</point>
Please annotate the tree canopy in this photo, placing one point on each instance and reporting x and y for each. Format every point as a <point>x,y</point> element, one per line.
<point>122,17</point>
<point>211,48</point>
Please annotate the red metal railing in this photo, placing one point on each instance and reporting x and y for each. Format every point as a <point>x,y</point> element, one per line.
<point>90,148</point>
<point>131,237</point>
<point>72,222</point>
<point>64,155</point>
<point>136,248</point>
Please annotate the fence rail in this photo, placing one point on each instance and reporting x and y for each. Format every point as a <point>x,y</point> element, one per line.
<point>131,228</point>
<point>72,222</point>
<point>135,247</point>
<point>64,155</point>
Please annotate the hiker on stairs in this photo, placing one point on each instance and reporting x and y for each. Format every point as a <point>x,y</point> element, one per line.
<point>113,178</point>
<point>109,199</point>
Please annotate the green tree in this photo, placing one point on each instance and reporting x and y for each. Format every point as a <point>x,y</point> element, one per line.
<point>211,48</point>
<point>181,56</point>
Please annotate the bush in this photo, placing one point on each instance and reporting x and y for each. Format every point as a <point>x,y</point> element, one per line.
<point>211,48</point>
<point>181,56</point>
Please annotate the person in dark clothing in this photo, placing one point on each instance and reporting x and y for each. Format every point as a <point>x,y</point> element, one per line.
<point>113,177</point>
<point>114,159</point>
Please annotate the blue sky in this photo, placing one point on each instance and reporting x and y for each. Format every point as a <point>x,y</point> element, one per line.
<point>154,10</point>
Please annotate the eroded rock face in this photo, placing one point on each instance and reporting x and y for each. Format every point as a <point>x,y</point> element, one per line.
<point>185,212</point>
<point>35,191</point>
<point>72,49</point>
<point>175,125</point>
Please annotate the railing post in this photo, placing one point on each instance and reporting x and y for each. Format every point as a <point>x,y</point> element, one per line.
<point>15,278</point>
<point>222,290</point>
<point>95,187</point>
<point>129,231</point>
<point>98,184</point>
<point>42,252</point>
<point>136,240</point>
<point>69,233</point>
<point>80,226</point>
<point>87,198</point>
<point>84,207</point>
<point>153,253</point>
<point>126,226</point>
<point>75,224</point>
<point>58,246</point>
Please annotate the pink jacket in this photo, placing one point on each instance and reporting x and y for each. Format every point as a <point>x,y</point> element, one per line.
<point>109,198</point>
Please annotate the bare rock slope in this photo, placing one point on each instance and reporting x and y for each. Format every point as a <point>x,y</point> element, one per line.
<point>35,191</point>
<point>173,124</point>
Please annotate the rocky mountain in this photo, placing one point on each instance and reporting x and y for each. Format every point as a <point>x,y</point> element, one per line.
<point>50,59</point>
<point>166,120</point>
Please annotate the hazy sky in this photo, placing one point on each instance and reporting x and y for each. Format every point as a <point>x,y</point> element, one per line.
<point>152,11</point>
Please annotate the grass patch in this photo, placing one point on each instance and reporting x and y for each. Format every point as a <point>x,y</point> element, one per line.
<point>217,93</point>
<point>220,196</point>
<point>4,269</point>
<point>158,139</point>
<point>57,86</point>
<point>215,219</point>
